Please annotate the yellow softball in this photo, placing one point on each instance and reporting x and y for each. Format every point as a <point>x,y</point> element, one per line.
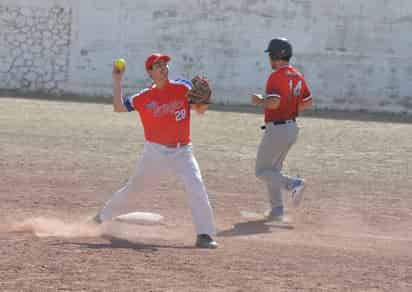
<point>120,64</point>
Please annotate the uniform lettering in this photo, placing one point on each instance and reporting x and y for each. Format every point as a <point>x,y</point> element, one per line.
<point>294,91</point>
<point>167,108</point>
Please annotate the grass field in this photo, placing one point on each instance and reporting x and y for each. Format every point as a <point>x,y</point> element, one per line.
<point>60,161</point>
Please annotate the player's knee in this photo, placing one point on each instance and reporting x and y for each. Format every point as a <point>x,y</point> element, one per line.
<point>195,185</point>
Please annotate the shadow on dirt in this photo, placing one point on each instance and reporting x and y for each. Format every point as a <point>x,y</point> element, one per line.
<point>119,243</point>
<point>253,227</point>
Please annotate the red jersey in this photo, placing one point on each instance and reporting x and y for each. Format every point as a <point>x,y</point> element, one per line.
<point>289,85</point>
<point>164,112</point>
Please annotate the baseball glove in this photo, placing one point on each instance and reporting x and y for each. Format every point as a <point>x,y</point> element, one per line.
<point>201,91</point>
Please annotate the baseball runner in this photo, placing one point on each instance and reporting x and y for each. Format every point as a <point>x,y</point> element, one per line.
<point>287,94</point>
<point>164,110</point>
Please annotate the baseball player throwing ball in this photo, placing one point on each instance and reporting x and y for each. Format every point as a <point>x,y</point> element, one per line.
<point>287,94</point>
<point>164,110</point>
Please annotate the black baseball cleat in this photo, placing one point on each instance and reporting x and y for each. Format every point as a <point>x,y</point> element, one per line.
<point>206,241</point>
<point>97,220</point>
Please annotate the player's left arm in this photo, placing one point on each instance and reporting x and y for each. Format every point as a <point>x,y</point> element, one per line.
<point>306,101</point>
<point>199,108</point>
<point>305,105</point>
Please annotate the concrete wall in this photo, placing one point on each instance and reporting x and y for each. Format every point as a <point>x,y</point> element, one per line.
<point>355,54</point>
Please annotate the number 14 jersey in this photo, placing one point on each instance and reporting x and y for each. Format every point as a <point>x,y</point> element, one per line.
<point>289,85</point>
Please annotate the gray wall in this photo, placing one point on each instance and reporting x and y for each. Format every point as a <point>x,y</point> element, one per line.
<point>355,54</point>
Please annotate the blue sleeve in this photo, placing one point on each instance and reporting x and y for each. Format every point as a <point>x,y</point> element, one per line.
<point>187,83</point>
<point>128,103</point>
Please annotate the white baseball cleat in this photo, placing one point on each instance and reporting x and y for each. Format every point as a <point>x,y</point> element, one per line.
<point>298,186</point>
<point>276,217</point>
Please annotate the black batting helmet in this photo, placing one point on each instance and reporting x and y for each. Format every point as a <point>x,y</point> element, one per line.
<point>279,48</point>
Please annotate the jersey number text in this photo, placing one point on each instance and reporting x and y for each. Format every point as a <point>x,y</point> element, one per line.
<point>294,91</point>
<point>180,115</point>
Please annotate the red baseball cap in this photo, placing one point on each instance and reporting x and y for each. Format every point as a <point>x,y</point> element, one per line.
<point>155,57</point>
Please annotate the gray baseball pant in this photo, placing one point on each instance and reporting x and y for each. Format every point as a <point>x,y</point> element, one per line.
<point>275,145</point>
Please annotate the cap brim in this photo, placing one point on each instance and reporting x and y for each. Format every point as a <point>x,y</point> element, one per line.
<point>165,58</point>
<point>156,58</point>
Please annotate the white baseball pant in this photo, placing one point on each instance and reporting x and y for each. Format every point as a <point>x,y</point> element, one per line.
<point>155,161</point>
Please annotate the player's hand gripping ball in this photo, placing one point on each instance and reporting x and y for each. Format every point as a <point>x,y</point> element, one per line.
<point>119,64</point>
<point>200,92</point>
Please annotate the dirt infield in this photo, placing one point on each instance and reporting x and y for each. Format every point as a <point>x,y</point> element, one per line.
<point>60,161</point>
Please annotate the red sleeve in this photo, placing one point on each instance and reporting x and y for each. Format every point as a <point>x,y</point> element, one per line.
<point>139,101</point>
<point>306,95</point>
<point>136,101</point>
<point>271,87</point>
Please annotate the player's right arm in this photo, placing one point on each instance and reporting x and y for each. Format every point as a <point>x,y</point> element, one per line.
<point>272,98</point>
<point>268,101</point>
<point>118,105</point>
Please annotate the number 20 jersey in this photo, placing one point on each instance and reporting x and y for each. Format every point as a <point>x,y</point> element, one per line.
<point>164,112</point>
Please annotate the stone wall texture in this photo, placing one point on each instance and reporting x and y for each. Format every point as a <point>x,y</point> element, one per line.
<point>354,54</point>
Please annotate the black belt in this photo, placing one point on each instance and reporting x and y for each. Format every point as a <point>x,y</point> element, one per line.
<point>283,122</point>
<point>177,145</point>
<point>279,123</point>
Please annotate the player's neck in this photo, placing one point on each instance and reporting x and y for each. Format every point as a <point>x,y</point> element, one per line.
<point>279,64</point>
<point>160,83</point>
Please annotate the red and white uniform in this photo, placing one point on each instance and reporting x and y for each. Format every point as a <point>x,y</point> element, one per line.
<point>164,112</point>
<point>165,115</point>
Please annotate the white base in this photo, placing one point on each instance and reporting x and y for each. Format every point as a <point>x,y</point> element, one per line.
<point>139,217</point>
<point>252,215</point>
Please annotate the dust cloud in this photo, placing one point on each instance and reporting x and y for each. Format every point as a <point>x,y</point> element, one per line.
<point>52,227</point>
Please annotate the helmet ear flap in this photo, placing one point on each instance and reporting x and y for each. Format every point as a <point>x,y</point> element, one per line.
<point>272,55</point>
